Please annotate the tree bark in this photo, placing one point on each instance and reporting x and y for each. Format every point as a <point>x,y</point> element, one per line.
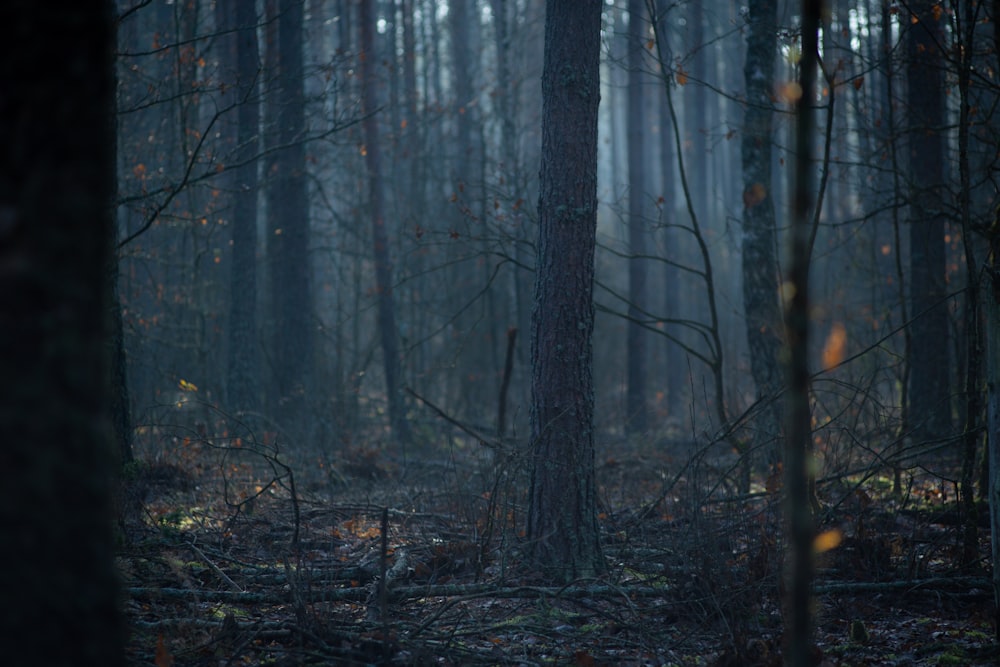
<point>760,266</point>
<point>288,221</point>
<point>562,517</point>
<point>636,418</point>
<point>930,409</point>
<point>797,463</point>
<point>380,238</point>
<point>57,174</point>
<point>244,371</point>
<point>992,326</point>
<point>674,370</point>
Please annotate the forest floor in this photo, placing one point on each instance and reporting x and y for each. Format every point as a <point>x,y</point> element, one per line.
<point>237,556</point>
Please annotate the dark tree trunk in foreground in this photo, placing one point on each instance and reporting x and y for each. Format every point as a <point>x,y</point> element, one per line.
<point>562,517</point>
<point>929,391</point>
<point>798,447</point>
<point>380,238</point>
<point>991,302</point>
<point>760,267</point>
<point>56,183</point>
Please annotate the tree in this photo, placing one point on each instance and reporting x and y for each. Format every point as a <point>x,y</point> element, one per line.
<point>929,394</point>
<point>243,371</point>
<point>380,238</point>
<point>760,267</point>
<point>636,418</point>
<point>562,517</point>
<point>288,219</point>
<point>991,306</point>
<point>798,442</point>
<point>56,188</point>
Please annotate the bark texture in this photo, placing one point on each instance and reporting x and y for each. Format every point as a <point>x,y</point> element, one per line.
<point>288,212</point>
<point>760,266</point>
<point>56,183</point>
<point>637,420</point>
<point>243,370</point>
<point>992,302</point>
<point>930,409</point>
<point>562,517</point>
<point>380,238</point>
<point>798,448</point>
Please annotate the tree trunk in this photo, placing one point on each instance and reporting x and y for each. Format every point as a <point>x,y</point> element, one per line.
<point>992,325</point>
<point>930,408</point>
<point>760,266</point>
<point>674,368</point>
<point>562,517</point>
<point>244,373</point>
<point>380,239</point>
<point>636,418</point>
<point>965,33</point>
<point>288,222</point>
<point>797,463</point>
<point>57,179</point>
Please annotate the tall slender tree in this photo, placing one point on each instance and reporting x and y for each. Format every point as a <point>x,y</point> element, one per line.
<point>56,186</point>
<point>243,370</point>
<point>930,409</point>
<point>760,266</point>
<point>673,369</point>
<point>562,516</point>
<point>798,443</point>
<point>380,237</point>
<point>637,419</point>
<point>288,218</point>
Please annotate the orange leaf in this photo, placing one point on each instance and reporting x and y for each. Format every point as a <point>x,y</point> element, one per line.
<point>833,350</point>
<point>828,540</point>
<point>860,81</point>
<point>681,76</point>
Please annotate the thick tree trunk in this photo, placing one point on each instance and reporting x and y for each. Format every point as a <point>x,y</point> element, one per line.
<point>562,517</point>
<point>380,238</point>
<point>288,222</point>
<point>56,182</point>
<point>760,266</point>
<point>930,409</point>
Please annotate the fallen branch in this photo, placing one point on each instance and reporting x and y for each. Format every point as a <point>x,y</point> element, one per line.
<point>936,583</point>
<point>361,594</point>
<point>215,568</point>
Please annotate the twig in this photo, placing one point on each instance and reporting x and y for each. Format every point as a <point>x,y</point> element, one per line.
<point>215,568</point>
<point>451,420</point>
<point>505,383</point>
